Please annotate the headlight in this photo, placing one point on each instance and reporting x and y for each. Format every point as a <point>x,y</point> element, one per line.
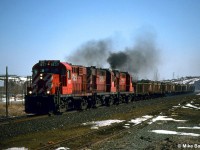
<point>41,76</point>
<point>30,92</point>
<point>48,92</point>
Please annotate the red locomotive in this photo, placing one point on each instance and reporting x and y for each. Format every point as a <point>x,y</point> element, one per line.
<point>58,86</point>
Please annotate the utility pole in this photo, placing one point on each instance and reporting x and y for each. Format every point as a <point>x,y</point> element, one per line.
<point>6,91</point>
<point>156,75</point>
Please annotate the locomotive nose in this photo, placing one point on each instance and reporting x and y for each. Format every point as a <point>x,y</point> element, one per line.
<point>43,84</point>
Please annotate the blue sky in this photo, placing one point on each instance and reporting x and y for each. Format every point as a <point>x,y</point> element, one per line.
<point>31,30</point>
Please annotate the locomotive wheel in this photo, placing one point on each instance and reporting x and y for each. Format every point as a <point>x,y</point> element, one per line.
<point>83,104</point>
<point>62,107</point>
<point>89,103</point>
<point>97,103</point>
<point>109,101</point>
<point>127,100</point>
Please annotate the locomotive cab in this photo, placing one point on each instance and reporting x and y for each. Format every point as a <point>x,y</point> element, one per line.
<point>50,79</point>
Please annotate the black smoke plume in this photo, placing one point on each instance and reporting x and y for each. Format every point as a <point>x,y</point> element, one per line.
<point>92,53</point>
<point>138,60</point>
<point>141,58</point>
<point>117,60</point>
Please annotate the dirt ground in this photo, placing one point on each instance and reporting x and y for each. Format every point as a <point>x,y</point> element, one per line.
<point>175,128</point>
<point>164,123</point>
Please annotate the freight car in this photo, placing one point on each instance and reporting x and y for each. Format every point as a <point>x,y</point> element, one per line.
<point>146,89</point>
<point>58,86</point>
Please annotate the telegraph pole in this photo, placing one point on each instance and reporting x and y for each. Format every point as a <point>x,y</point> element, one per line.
<point>6,91</point>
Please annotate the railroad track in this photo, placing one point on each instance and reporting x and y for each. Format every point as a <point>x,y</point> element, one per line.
<point>27,118</point>
<point>21,119</point>
<point>84,135</point>
<point>92,138</point>
<point>85,139</point>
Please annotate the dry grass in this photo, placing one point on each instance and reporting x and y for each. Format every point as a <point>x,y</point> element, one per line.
<point>14,109</point>
<point>38,139</point>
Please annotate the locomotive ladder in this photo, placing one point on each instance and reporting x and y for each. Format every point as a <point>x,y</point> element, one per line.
<point>57,96</point>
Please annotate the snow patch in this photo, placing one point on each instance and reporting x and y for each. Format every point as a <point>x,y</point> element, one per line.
<point>62,148</point>
<point>103,123</point>
<point>17,148</point>
<point>176,106</point>
<point>127,124</point>
<point>195,127</point>
<point>186,80</point>
<point>198,94</point>
<point>127,127</point>
<point>190,106</point>
<point>164,118</point>
<point>174,132</point>
<point>12,99</point>
<point>140,120</point>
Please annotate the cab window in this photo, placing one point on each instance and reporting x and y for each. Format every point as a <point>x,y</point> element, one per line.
<point>35,71</point>
<point>69,74</point>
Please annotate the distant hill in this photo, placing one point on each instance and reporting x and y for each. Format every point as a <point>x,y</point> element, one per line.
<point>183,80</point>
<point>187,80</point>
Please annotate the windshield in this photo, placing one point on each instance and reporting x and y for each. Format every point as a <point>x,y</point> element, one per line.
<point>46,70</point>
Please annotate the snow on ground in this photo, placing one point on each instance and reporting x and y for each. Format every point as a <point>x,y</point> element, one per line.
<point>195,127</point>
<point>136,121</point>
<point>186,80</point>
<point>62,148</point>
<point>12,99</point>
<point>190,106</point>
<point>97,124</point>
<point>17,148</point>
<point>23,148</point>
<point>194,80</point>
<point>103,123</point>
<point>140,120</point>
<point>127,125</point>
<point>179,105</point>
<point>174,132</point>
<point>164,118</point>
<point>160,117</point>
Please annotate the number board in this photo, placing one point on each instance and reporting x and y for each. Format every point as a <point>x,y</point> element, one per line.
<point>52,63</point>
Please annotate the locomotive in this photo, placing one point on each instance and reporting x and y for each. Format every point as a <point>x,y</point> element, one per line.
<point>58,86</point>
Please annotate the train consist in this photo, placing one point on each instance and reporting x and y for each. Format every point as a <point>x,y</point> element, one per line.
<point>58,86</point>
